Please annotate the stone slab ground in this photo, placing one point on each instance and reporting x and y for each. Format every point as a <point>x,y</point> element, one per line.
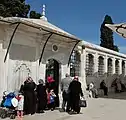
<point>112,107</point>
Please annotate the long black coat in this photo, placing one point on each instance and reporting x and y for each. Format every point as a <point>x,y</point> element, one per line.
<point>42,97</point>
<point>74,93</point>
<point>29,97</point>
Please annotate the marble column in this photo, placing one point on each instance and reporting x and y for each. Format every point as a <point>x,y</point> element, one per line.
<point>120,66</point>
<point>83,70</point>
<point>113,65</point>
<point>96,64</point>
<point>105,64</point>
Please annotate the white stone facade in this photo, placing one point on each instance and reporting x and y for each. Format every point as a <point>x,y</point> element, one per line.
<point>118,66</point>
<point>23,59</point>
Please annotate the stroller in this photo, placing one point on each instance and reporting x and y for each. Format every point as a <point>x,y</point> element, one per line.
<point>7,109</point>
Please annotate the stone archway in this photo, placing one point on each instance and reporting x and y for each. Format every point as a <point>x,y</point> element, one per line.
<point>100,65</point>
<point>109,66</point>
<point>117,66</point>
<point>53,69</point>
<point>89,65</point>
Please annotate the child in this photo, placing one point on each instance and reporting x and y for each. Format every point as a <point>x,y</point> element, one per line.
<point>51,100</point>
<point>20,99</point>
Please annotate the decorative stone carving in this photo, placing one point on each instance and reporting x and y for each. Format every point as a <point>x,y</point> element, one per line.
<point>21,71</point>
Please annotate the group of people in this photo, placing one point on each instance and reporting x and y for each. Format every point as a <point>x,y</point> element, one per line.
<point>117,84</point>
<point>38,98</point>
<point>71,93</point>
<point>93,92</point>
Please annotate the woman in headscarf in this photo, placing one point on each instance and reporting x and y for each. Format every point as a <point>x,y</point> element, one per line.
<point>51,85</point>
<point>28,90</point>
<point>75,91</point>
<point>42,96</point>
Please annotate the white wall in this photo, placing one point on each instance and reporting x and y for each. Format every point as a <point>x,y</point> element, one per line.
<point>23,56</point>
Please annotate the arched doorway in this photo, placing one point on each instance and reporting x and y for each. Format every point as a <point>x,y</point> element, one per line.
<point>53,69</point>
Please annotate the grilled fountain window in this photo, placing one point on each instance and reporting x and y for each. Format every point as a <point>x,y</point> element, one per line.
<point>75,64</point>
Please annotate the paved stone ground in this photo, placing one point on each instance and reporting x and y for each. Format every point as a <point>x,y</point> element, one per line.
<point>111,108</point>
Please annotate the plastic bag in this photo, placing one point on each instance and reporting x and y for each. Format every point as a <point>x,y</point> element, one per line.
<point>83,102</point>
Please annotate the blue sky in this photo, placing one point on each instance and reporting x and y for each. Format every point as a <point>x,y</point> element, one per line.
<point>83,18</point>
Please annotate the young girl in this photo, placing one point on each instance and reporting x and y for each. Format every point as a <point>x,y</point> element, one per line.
<point>20,99</point>
<point>51,100</point>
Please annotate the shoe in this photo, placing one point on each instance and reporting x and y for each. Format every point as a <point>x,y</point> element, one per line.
<point>72,112</point>
<point>32,113</point>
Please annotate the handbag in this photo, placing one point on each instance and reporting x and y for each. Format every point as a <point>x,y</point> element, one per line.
<point>83,102</point>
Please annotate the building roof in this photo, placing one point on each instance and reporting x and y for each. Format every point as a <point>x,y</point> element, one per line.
<point>102,49</point>
<point>40,24</point>
<point>47,26</point>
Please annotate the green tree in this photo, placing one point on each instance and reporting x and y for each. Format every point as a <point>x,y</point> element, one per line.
<point>12,8</point>
<point>107,35</point>
<point>116,48</point>
<point>16,8</point>
<point>35,15</point>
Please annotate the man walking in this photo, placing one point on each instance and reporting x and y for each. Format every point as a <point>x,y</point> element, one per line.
<point>65,93</point>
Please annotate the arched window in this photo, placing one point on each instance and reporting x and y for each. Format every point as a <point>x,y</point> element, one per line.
<point>75,64</point>
<point>89,65</point>
<point>109,66</point>
<point>123,67</point>
<point>117,67</point>
<point>100,65</point>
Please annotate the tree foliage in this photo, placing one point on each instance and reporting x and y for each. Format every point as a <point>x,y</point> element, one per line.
<point>35,15</point>
<point>107,35</point>
<point>16,8</point>
<point>12,8</point>
<point>116,48</point>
